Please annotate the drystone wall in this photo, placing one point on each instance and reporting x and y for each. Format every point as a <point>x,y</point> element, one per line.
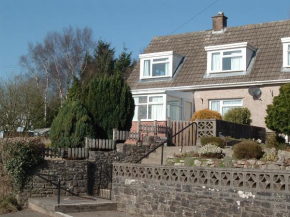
<point>149,190</point>
<point>100,164</point>
<point>73,177</point>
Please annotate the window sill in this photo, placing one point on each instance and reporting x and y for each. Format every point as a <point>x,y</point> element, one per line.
<point>150,120</point>
<point>225,71</point>
<point>146,78</point>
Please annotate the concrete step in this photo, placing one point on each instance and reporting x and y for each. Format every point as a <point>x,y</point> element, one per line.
<point>70,204</point>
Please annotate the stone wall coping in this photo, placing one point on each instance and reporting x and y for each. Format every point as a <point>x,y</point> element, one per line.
<point>205,168</point>
<point>222,178</point>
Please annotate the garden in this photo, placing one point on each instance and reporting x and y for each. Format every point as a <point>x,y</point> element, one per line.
<point>227,152</point>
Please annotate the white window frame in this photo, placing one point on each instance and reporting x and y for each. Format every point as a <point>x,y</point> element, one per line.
<point>153,56</point>
<point>229,105</point>
<point>286,51</point>
<point>180,105</point>
<point>244,47</point>
<point>152,103</point>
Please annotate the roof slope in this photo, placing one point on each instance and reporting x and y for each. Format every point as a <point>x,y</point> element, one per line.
<point>265,36</point>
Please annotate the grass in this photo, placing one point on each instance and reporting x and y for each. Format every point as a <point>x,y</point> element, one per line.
<point>8,204</point>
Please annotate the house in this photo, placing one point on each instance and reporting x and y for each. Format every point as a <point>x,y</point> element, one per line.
<point>219,69</point>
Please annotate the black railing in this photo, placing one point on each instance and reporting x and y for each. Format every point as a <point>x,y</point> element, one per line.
<point>167,140</point>
<point>58,183</point>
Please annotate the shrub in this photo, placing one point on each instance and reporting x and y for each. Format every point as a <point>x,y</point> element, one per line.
<point>206,114</point>
<point>270,155</point>
<point>274,141</point>
<point>23,156</point>
<point>278,118</point>
<point>8,204</point>
<point>211,151</point>
<point>238,115</point>
<point>247,150</point>
<point>72,124</point>
<point>213,140</point>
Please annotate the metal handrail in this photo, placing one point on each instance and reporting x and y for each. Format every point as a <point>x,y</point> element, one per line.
<point>58,184</point>
<point>168,139</point>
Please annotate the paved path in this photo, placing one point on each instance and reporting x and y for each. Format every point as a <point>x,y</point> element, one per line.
<point>24,213</point>
<point>30,213</point>
<point>100,214</point>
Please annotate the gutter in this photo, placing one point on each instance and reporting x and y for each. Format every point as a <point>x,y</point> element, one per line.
<point>209,86</point>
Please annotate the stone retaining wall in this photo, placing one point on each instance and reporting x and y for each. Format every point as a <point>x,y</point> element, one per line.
<point>73,176</point>
<point>149,190</point>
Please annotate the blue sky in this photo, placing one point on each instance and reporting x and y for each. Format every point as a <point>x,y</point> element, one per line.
<point>129,22</point>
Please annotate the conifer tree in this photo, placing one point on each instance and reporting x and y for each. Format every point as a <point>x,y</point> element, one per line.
<point>74,93</point>
<point>72,124</point>
<point>104,58</point>
<point>110,102</point>
<point>278,114</point>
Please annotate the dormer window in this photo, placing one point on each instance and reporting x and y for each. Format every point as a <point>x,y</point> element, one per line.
<point>228,58</point>
<point>286,52</point>
<point>158,65</point>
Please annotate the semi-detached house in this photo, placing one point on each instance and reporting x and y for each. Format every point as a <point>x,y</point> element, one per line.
<point>219,69</point>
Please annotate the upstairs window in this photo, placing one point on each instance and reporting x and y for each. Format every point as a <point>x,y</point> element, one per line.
<point>286,52</point>
<point>156,65</point>
<point>228,58</point>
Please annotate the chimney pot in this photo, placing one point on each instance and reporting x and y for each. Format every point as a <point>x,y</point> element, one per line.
<point>219,22</point>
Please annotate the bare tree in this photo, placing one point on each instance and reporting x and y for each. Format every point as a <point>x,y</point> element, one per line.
<point>59,58</point>
<point>20,104</point>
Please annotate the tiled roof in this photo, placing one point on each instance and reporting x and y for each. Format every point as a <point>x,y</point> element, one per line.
<point>266,37</point>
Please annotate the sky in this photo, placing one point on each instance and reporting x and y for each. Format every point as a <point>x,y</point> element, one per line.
<point>132,23</point>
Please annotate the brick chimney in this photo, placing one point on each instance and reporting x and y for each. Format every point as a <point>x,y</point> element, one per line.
<point>219,22</point>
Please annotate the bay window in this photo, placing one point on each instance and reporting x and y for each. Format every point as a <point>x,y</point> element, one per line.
<point>175,105</point>
<point>224,105</point>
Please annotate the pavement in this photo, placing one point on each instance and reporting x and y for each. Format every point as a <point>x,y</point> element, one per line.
<point>30,213</point>
<point>24,213</point>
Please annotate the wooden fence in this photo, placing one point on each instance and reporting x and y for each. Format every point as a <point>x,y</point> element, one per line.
<point>100,144</point>
<point>186,137</point>
<point>67,153</point>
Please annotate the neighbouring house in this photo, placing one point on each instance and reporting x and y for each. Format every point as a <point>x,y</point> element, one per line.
<point>219,69</point>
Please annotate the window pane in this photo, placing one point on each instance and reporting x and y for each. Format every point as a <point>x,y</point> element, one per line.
<point>215,62</point>
<point>161,59</point>
<point>232,63</point>
<point>226,109</point>
<point>188,111</point>
<point>155,112</point>
<point>174,112</point>
<point>146,71</point>
<point>231,102</point>
<point>173,101</point>
<point>232,52</point>
<point>143,99</point>
<point>160,69</point>
<point>142,111</point>
<point>156,99</point>
<point>215,106</point>
<point>288,58</point>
